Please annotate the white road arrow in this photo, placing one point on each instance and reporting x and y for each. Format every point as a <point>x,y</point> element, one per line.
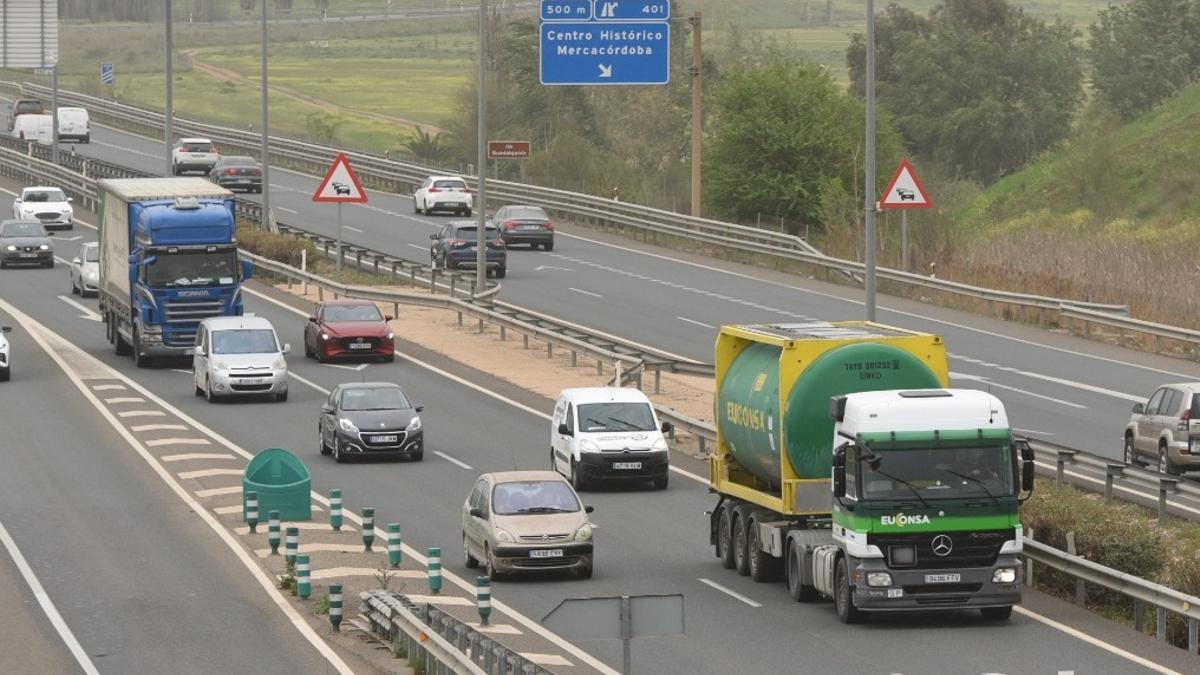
<point>605,71</point>
<point>539,268</point>
<point>87,313</point>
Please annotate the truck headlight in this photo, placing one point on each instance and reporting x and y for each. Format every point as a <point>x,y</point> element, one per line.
<point>659,446</point>
<point>588,446</point>
<point>584,533</point>
<point>504,537</point>
<point>1004,575</point>
<point>414,424</point>
<point>878,579</point>
<point>347,426</point>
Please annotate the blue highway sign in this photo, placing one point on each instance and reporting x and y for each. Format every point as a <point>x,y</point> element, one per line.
<point>106,73</point>
<point>632,10</point>
<point>599,42</point>
<point>566,10</point>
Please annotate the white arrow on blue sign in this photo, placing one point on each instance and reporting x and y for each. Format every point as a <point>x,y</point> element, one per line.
<point>605,42</point>
<point>106,73</point>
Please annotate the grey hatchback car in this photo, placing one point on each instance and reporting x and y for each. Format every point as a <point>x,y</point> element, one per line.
<point>25,242</point>
<point>1166,428</point>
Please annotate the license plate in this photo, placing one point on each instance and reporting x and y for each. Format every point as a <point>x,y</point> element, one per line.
<point>252,380</point>
<point>530,227</point>
<point>546,553</point>
<point>895,592</point>
<point>359,345</point>
<point>28,255</point>
<point>943,578</point>
<point>243,180</point>
<point>627,465</point>
<point>386,439</point>
<point>1195,447</point>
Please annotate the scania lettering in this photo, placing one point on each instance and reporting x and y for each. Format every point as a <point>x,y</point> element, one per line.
<point>846,466</point>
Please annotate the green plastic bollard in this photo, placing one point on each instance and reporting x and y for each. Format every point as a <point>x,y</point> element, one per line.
<point>394,553</point>
<point>292,544</point>
<point>483,598</point>
<point>335,606</point>
<point>435,569</point>
<point>303,580</point>
<point>252,511</point>
<point>273,531</point>
<point>335,509</point>
<point>368,522</point>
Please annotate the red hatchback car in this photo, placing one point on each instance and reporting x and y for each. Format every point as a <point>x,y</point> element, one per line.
<point>348,328</point>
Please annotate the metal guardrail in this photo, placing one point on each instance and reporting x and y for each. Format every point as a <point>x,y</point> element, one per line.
<point>1124,323</point>
<point>482,650</point>
<point>404,176</point>
<point>411,637</point>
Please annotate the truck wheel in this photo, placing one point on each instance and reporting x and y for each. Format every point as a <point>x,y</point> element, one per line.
<point>139,360</point>
<point>996,613</point>
<point>762,565</point>
<point>121,347</point>
<point>795,576</point>
<point>741,561</point>
<point>843,602</point>
<point>725,538</point>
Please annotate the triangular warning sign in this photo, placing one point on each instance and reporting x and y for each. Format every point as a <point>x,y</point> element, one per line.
<point>340,184</point>
<point>905,190</point>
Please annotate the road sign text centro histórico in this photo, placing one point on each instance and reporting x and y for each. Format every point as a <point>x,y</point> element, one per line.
<point>599,42</point>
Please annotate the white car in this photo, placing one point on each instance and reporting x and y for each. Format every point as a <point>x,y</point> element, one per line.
<point>443,193</point>
<point>194,154</point>
<point>238,356</point>
<point>85,270</point>
<point>608,433</point>
<point>47,205</point>
<point>5,369</point>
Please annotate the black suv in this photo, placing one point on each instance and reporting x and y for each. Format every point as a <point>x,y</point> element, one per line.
<point>454,248</point>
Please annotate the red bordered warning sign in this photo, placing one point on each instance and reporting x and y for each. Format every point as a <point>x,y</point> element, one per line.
<point>340,184</point>
<point>905,190</point>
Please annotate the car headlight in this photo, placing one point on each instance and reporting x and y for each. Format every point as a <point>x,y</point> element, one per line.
<point>1004,575</point>
<point>584,533</point>
<point>11,247</point>
<point>347,426</point>
<point>660,445</point>
<point>221,365</point>
<point>588,446</point>
<point>504,537</point>
<point>391,336</point>
<point>324,336</point>
<point>878,579</point>
<point>414,424</point>
<point>280,363</point>
<point>45,247</point>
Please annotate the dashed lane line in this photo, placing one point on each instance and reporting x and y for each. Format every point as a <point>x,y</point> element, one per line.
<point>108,387</point>
<point>730,592</point>
<point>188,456</point>
<point>124,399</point>
<point>159,442</point>
<point>217,492</point>
<point>452,460</point>
<point>141,413</point>
<point>208,473</point>
<point>158,427</point>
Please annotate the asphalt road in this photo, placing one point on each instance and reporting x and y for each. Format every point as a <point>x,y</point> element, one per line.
<point>1068,390</point>
<point>647,541</point>
<point>142,583</point>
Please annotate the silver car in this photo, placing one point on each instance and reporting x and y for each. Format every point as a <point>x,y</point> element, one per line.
<point>85,270</point>
<point>1166,428</point>
<point>530,521</point>
<point>238,356</point>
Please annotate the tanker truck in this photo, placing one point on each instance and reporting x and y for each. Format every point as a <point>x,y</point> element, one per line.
<point>846,465</point>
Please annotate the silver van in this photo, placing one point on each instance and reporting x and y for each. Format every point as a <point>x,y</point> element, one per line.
<point>237,356</point>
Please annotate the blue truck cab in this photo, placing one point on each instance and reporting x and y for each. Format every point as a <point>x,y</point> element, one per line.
<point>168,259</point>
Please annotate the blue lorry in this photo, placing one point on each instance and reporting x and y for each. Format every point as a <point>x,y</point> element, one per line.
<point>168,258</point>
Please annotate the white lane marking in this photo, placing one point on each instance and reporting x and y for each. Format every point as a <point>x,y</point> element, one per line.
<point>442,600</point>
<point>265,581</point>
<point>547,659</point>
<point>355,368</point>
<point>1032,431</point>
<point>579,290</point>
<point>142,413</point>
<point>452,460</point>
<point>496,629</point>
<point>188,456</point>
<point>206,473</point>
<point>87,311</point>
<point>217,492</point>
<point>315,548</point>
<point>181,370</point>
<point>124,399</point>
<point>352,228</point>
<point>990,383</point>
<point>310,383</point>
<point>1112,649</point>
<point>64,631</point>
<point>107,387</point>
<point>284,208</point>
<point>159,442</point>
<point>226,510</point>
<point>1086,387</point>
<point>730,592</point>
<point>157,427</point>
<point>124,149</point>
<point>693,321</point>
<point>539,268</point>
<point>419,248</point>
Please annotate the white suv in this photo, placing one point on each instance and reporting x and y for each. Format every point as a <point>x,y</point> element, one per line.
<point>193,154</point>
<point>443,193</point>
<point>5,366</point>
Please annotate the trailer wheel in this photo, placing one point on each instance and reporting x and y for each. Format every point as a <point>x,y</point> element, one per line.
<point>741,561</point>
<point>762,566</point>
<point>725,538</point>
<point>843,602</point>
<point>795,576</point>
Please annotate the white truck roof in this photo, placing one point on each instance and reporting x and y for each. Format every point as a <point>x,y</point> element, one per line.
<point>145,189</point>
<point>923,410</point>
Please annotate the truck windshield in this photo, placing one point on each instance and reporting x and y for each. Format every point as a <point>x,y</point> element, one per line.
<point>193,269</point>
<point>941,473</point>
<point>244,341</point>
<point>595,417</point>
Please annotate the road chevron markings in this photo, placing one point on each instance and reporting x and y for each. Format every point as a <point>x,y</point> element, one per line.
<point>80,366</point>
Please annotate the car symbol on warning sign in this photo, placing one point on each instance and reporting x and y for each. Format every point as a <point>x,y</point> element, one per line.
<point>906,195</point>
<point>341,188</point>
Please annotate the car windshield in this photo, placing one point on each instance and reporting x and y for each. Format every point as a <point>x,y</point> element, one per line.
<point>338,313</point>
<point>938,473</point>
<point>44,196</point>
<point>469,232</point>
<point>616,417</point>
<point>239,161</point>
<point>91,254</point>
<point>539,496</point>
<point>244,341</point>
<point>23,230</point>
<point>197,147</point>
<point>526,213</point>
<point>193,269</point>
<point>450,184</point>
<point>390,398</point>
<point>23,107</point>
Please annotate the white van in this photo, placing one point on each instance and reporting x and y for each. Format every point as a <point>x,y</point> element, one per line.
<point>37,128</point>
<point>74,125</point>
<point>238,356</point>
<point>600,433</point>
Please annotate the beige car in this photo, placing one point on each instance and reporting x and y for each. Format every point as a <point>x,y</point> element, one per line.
<point>1166,429</point>
<point>526,521</point>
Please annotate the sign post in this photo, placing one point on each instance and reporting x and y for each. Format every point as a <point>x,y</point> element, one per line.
<point>905,191</point>
<point>605,42</point>
<point>622,617</point>
<point>339,186</point>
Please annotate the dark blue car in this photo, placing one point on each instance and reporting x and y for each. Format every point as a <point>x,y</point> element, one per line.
<point>454,248</point>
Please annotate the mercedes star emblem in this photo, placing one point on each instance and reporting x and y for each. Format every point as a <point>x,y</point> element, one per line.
<point>942,545</point>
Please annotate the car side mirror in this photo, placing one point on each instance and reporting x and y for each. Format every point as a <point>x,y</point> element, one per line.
<point>313,318</point>
<point>5,329</point>
<point>419,408</point>
<point>327,409</point>
<point>388,317</point>
<point>75,261</point>
<point>588,508</point>
<point>1139,408</point>
<point>667,427</point>
<point>476,513</point>
<point>17,200</point>
<point>433,237</point>
<point>287,349</point>
<point>70,200</point>
<point>562,429</point>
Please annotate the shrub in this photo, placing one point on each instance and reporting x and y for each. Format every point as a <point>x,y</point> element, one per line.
<point>280,247</point>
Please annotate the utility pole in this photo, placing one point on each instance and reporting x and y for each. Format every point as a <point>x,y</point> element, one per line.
<point>266,156</point>
<point>170,109</point>
<point>54,112</point>
<point>481,158</point>
<point>697,112</point>
<point>869,186</point>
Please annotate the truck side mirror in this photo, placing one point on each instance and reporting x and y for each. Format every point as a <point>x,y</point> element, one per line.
<point>839,472</point>
<point>247,270</point>
<point>1022,447</point>
<point>1027,469</point>
<point>562,429</point>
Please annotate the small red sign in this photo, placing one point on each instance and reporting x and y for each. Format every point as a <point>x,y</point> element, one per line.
<point>508,149</point>
<point>340,184</point>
